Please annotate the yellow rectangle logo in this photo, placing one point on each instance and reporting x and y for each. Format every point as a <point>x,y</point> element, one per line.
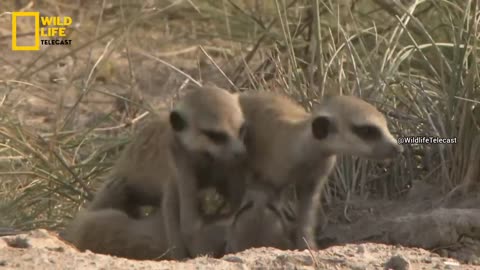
<point>35,47</point>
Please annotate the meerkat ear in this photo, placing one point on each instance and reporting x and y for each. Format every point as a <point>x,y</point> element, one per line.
<point>177,121</point>
<point>322,126</point>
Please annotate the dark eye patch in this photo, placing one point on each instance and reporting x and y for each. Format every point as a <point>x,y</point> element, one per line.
<point>217,137</point>
<point>322,127</point>
<point>177,121</point>
<point>367,132</point>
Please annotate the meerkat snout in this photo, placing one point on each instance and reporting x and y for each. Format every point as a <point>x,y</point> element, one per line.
<point>380,142</point>
<point>349,125</point>
<point>385,151</point>
<point>396,149</point>
<point>399,148</point>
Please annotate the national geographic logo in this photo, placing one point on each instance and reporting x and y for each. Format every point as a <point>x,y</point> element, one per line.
<point>53,31</point>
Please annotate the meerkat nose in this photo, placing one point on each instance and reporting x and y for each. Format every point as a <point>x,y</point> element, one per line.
<point>399,148</point>
<point>394,150</point>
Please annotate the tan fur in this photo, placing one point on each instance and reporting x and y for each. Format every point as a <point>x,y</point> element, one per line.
<point>112,232</point>
<point>285,146</point>
<point>170,164</point>
<point>264,220</point>
<point>223,116</point>
<point>140,172</point>
<point>136,172</point>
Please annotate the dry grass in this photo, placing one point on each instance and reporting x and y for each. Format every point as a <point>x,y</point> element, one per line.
<point>416,60</point>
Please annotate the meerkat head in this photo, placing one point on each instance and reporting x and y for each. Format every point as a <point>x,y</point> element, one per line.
<point>349,125</point>
<point>210,122</point>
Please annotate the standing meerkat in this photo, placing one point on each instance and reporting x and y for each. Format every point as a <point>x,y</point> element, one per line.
<point>288,146</point>
<point>198,144</point>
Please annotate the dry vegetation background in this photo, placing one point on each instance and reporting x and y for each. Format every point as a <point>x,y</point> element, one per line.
<point>66,111</point>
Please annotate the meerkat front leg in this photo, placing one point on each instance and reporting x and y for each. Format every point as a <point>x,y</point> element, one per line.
<point>201,237</point>
<point>309,201</point>
<point>171,213</point>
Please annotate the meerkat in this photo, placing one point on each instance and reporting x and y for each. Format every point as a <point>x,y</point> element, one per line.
<point>133,180</point>
<point>265,219</point>
<point>288,146</point>
<point>198,144</point>
<point>113,232</point>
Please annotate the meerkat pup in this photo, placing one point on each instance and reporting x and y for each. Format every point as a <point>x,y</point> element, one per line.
<point>225,153</point>
<point>198,144</point>
<point>134,179</point>
<point>113,232</point>
<point>288,146</point>
<point>265,219</point>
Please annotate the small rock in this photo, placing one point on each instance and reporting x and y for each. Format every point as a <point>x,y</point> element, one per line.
<point>17,242</point>
<point>307,260</point>
<point>233,259</point>
<point>397,262</point>
<point>40,233</point>
<point>359,267</point>
<point>350,253</point>
<point>427,260</point>
<point>338,254</point>
<point>297,260</point>
<point>3,263</point>
<point>57,249</point>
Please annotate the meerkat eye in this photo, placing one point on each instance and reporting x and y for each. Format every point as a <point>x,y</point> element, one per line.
<point>177,122</point>
<point>217,137</point>
<point>322,127</point>
<point>367,132</point>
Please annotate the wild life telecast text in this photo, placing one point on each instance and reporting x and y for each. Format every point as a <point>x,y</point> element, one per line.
<point>57,29</point>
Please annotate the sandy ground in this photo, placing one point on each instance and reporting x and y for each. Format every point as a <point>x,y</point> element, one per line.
<point>40,249</point>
